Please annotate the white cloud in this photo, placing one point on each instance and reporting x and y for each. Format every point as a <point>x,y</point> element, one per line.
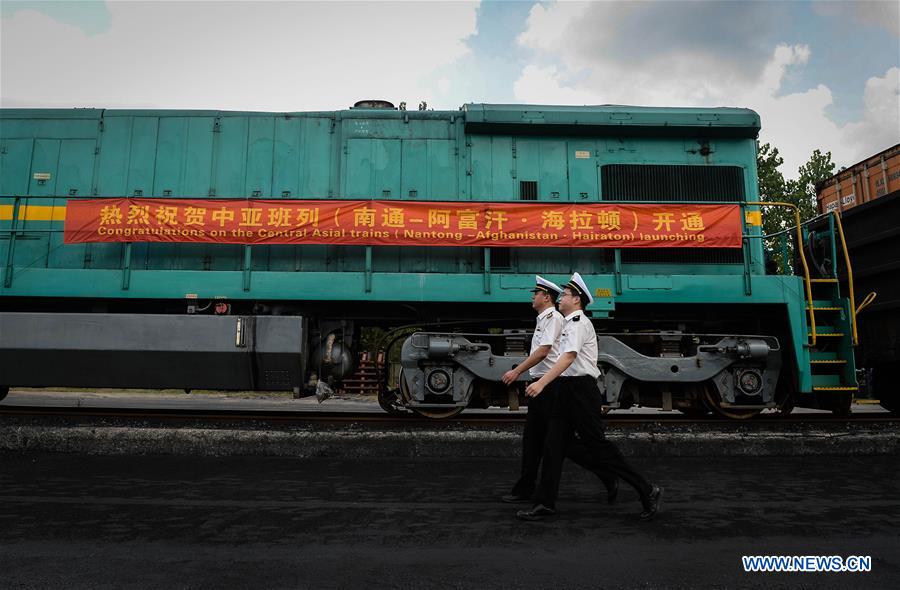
<point>722,38</point>
<point>689,75</point>
<point>547,25</point>
<point>880,125</point>
<point>545,86</point>
<point>235,56</point>
<point>775,70</point>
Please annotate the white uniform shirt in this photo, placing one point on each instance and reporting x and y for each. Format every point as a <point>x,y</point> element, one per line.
<point>578,336</point>
<point>546,333</point>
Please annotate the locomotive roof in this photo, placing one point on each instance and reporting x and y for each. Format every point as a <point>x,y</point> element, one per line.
<point>720,121</point>
<point>498,118</point>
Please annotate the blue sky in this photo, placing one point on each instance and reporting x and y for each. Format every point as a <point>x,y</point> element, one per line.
<point>821,74</point>
<point>844,55</point>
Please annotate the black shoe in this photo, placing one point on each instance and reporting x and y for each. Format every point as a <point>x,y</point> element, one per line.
<point>537,512</point>
<point>612,492</point>
<point>651,504</point>
<point>515,498</point>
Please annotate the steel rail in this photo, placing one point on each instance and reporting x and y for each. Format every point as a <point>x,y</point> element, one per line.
<point>472,418</point>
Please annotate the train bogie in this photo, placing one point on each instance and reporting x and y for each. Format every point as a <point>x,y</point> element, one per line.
<point>734,376</point>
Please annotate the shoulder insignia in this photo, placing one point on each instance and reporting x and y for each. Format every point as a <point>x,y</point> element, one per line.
<point>576,318</point>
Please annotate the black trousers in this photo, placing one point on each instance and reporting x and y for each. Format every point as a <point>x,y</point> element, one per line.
<point>537,425</point>
<point>578,408</point>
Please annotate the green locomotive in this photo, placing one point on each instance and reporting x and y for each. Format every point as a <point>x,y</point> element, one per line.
<point>140,313</point>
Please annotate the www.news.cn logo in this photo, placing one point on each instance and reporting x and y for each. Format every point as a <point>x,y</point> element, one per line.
<point>806,563</point>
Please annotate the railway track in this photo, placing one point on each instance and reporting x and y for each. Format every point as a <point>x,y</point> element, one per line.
<point>469,419</point>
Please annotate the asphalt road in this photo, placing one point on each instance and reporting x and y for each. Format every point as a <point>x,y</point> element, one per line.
<point>70,521</point>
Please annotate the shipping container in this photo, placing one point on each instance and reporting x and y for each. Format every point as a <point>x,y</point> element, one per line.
<point>863,182</point>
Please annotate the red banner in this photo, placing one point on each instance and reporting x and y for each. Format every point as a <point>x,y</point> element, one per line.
<point>403,223</point>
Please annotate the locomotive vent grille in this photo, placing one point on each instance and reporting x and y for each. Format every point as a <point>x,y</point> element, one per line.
<point>652,182</point>
<point>683,255</point>
<point>501,258</point>
<point>640,182</point>
<point>528,190</point>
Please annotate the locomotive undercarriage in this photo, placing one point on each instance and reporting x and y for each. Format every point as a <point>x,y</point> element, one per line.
<point>732,375</point>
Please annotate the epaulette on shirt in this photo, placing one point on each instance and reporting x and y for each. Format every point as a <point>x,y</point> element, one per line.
<point>576,318</point>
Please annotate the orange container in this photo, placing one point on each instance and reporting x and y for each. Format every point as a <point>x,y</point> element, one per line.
<point>863,182</point>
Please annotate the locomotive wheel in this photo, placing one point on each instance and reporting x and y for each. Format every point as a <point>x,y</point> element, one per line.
<point>696,393</point>
<point>389,400</point>
<point>840,405</point>
<point>714,401</point>
<point>4,391</point>
<point>432,413</point>
<point>786,407</point>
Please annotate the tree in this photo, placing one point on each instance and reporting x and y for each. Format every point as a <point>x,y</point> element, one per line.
<point>800,192</point>
<point>771,188</point>
<point>803,190</point>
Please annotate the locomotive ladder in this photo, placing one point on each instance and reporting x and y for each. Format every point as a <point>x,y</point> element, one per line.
<point>832,364</point>
<point>831,340</point>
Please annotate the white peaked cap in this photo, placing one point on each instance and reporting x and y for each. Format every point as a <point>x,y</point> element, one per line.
<point>577,283</point>
<point>542,284</point>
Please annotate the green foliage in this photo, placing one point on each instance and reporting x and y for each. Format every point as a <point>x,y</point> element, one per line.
<point>803,189</point>
<point>771,188</point>
<point>371,339</point>
<point>800,192</point>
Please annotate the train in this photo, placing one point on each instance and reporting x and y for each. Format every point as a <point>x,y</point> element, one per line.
<point>867,197</point>
<point>426,226</point>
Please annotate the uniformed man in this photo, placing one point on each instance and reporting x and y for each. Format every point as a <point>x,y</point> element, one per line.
<point>544,354</point>
<point>578,407</point>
